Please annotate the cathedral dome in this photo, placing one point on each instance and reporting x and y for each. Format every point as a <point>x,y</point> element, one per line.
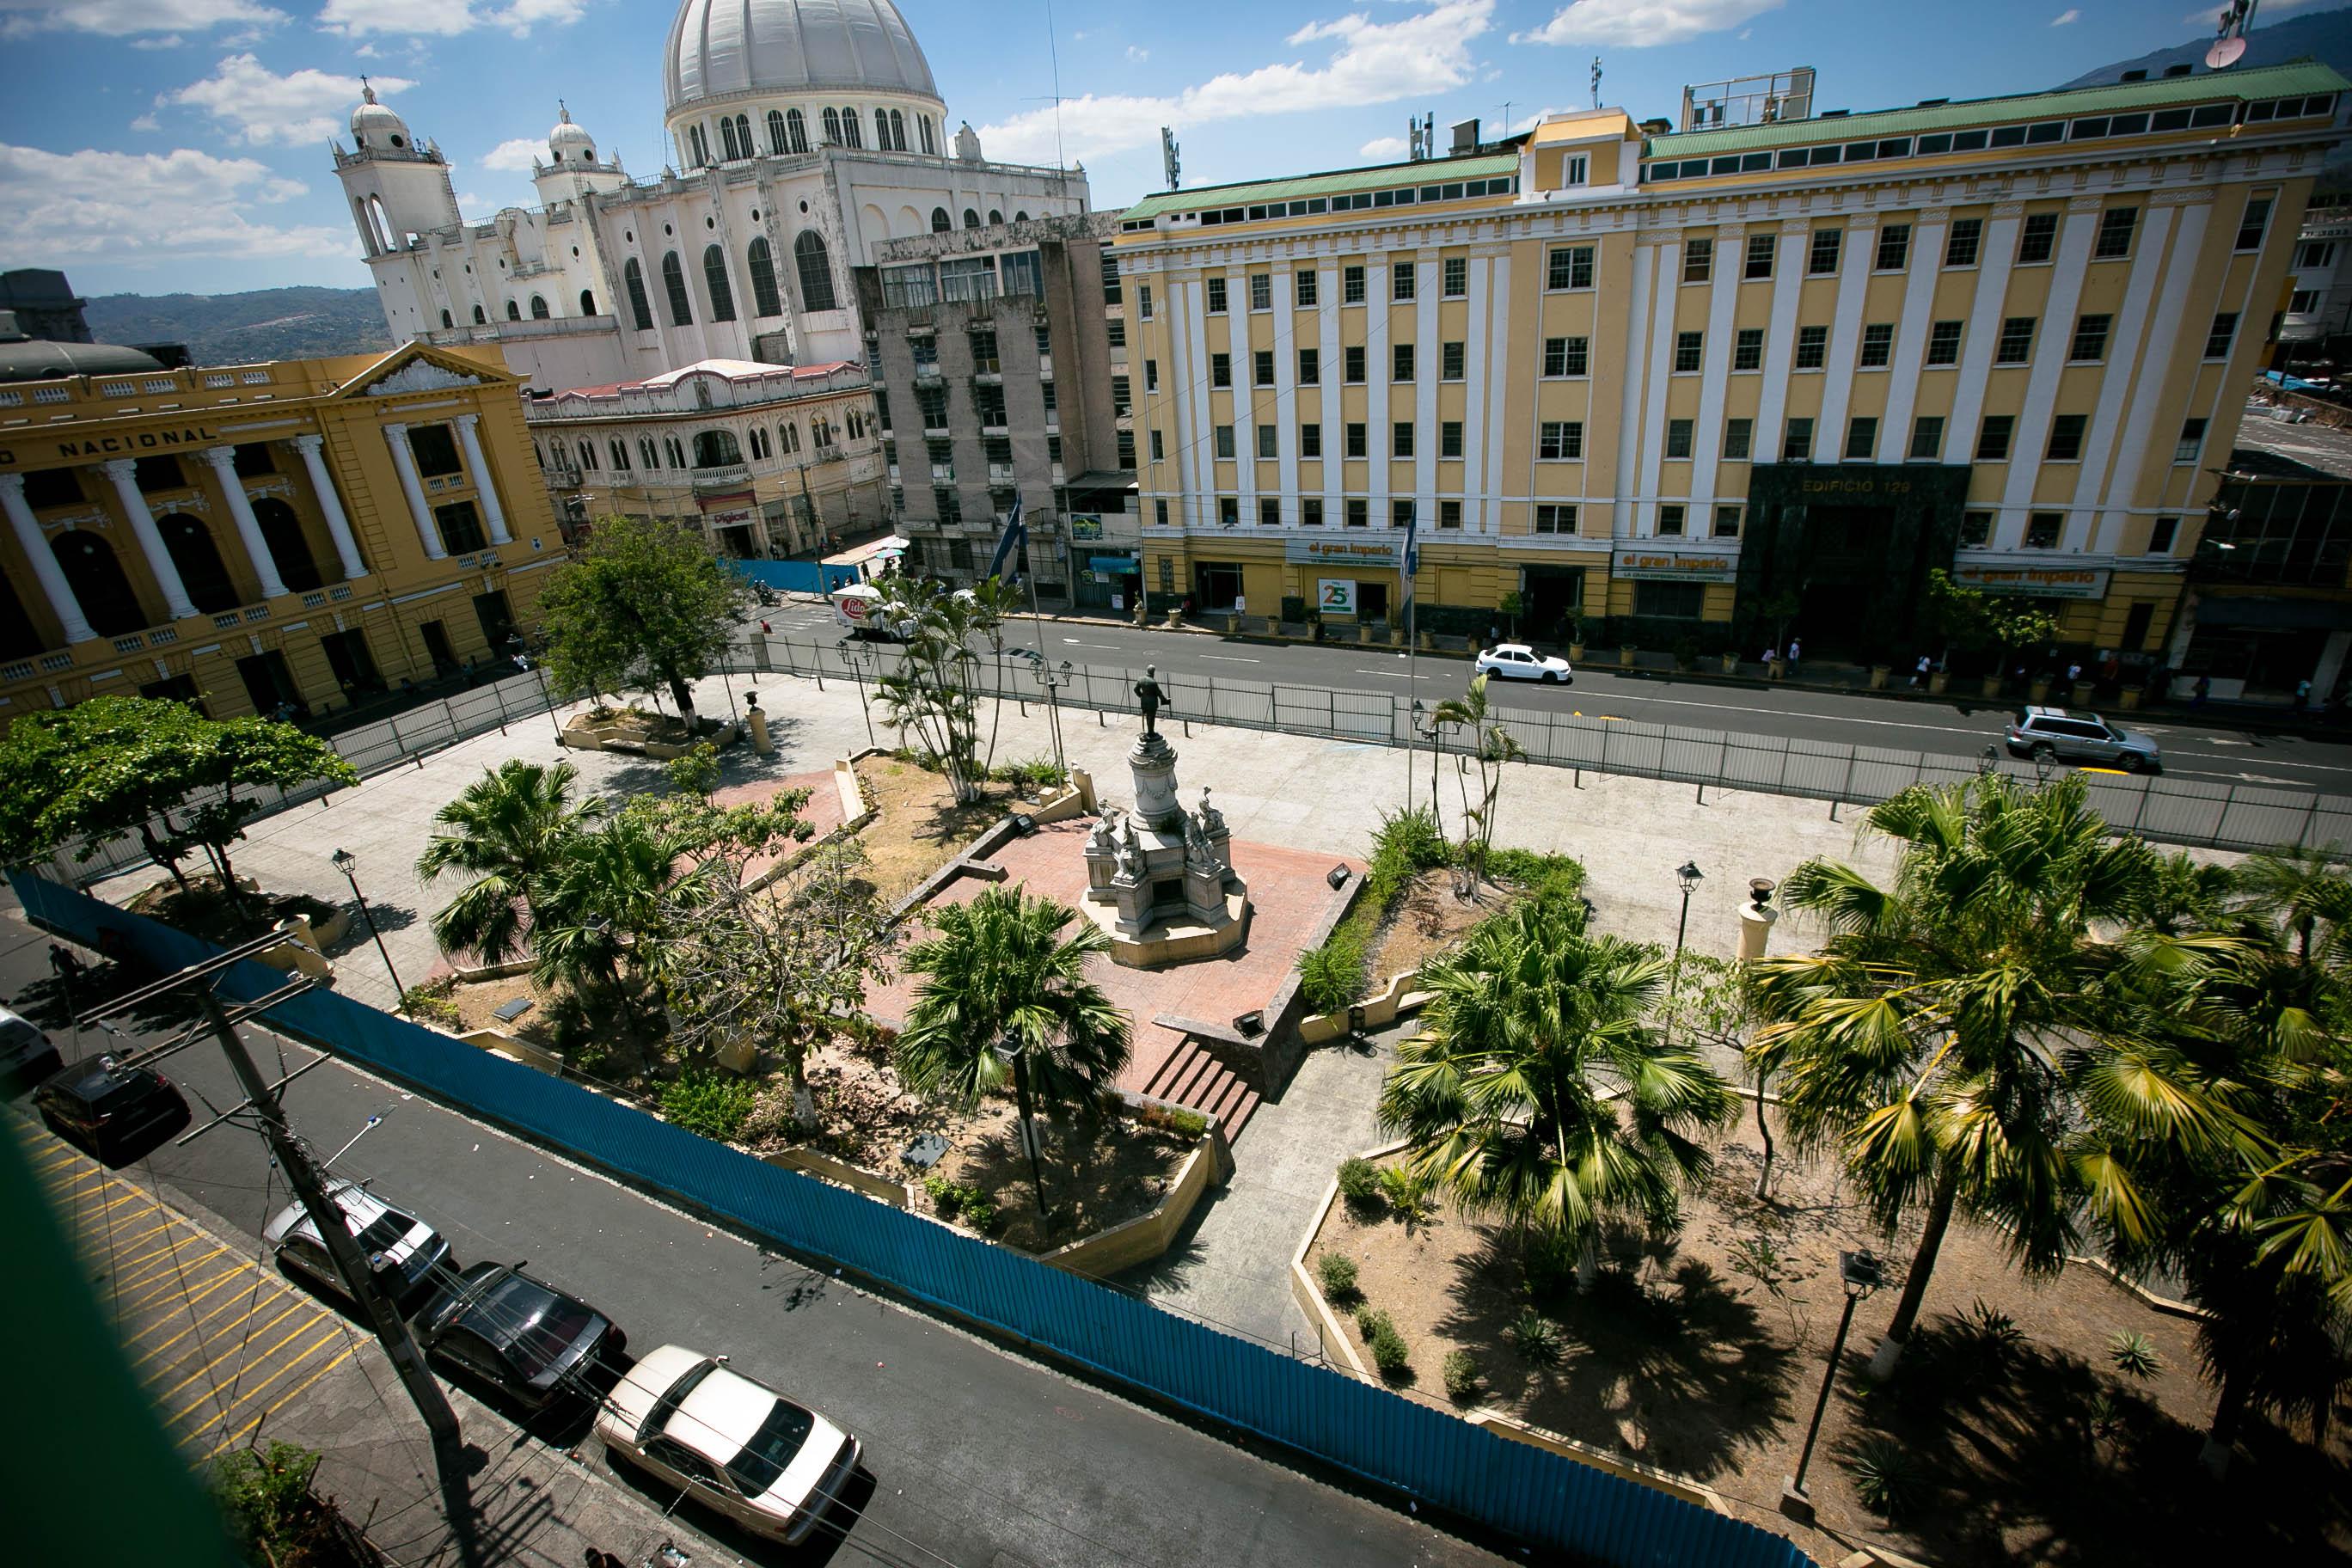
<point>376,127</point>
<point>721,48</point>
<point>569,143</point>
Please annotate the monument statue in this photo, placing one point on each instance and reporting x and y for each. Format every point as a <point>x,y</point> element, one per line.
<point>1148,693</point>
<point>1210,819</point>
<point>1130,861</point>
<point>1105,830</point>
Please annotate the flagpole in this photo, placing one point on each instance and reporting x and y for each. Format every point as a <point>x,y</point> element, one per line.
<point>1412,657</point>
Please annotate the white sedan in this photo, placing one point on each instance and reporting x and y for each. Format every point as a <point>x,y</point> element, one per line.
<point>1518,661</point>
<point>737,1444</point>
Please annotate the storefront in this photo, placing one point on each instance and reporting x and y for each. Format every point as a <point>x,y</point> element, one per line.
<point>1839,553</point>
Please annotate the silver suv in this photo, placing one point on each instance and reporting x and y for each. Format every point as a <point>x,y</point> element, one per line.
<point>2084,737</point>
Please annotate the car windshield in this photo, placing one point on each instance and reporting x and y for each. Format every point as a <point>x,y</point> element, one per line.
<point>770,1448</point>
<point>386,1233</point>
<point>531,1323</point>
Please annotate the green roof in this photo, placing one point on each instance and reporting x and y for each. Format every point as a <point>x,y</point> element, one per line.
<point>2305,77</point>
<point>1429,171</point>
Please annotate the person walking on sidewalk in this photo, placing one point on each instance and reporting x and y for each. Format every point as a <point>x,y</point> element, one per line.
<point>1790,665</point>
<point>2204,689</point>
<point>1919,670</point>
<point>2302,695</point>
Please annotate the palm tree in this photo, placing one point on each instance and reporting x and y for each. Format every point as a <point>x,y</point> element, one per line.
<point>509,829</point>
<point>1934,1039</point>
<point>1491,747</point>
<point>604,905</point>
<point>2303,889</point>
<point>1540,1090</point>
<point>1001,969</point>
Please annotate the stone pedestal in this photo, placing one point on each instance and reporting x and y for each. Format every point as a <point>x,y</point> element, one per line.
<point>1151,763</point>
<point>1756,923</point>
<point>758,719</point>
<point>1159,876</point>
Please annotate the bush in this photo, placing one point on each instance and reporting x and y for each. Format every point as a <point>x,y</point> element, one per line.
<point>1360,1183</point>
<point>1372,1322</point>
<point>266,1497</point>
<point>714,1104</point>
<point>1406,1192</point>
<point>1031,773</point>
<point>1332,975</point>
<point>1548,1263</point>
<point>1536,1337</point>
<point>1407,843</point>
<point>979,1213</point>
<point>947,1196</point>
<point>2133,1355</point>
<point>1338,1272</point>
<point>1461,1378</point>
<point>432,1005</point>
<point>1887,1480</point>
<point>1389,1350</point>
<point>1988,1334</point>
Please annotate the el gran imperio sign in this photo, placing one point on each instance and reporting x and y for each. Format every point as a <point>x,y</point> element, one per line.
<point>1340,552</point>
<point>1663,565</point>
<point>126,446</point>
<point>2034,582</point>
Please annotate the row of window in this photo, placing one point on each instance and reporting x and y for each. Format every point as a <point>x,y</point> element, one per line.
<point>809,256</point>
<point>712,448</point>
<point>788,133</point>
<point>1352,201</point>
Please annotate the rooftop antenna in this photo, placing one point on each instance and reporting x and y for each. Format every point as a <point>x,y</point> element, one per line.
<point>1168,163</point>
<point>1596,82</point>
<point>1054,55</point>
<point>2230,47</point>
<point>1507,117</point>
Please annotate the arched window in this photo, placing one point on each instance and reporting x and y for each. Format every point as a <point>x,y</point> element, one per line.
<point>538,309</point>
<point>815,270</point>
<point>281,532</point>
<point>923,124</point>
<point>898,130</point>
<point>849,131</point>
<point>796,130</point>
<point>714,284</point>
<point>633,278</point>
<point>98,583</point>
<point>765,301</point>
<point>698,149</point>
<point>202,571</point>
<point>514,312</point>
<point>716,448</point>
<point>647,453</point>
<point>681,308</point>
<point>995,216</point>
<point>758,445</point>
<point>744,135</point>
<point>882,129</point>
<point>776,130</point>
<point>970,218</point>
<point>446,321</point>
<point>1021,216</point>
<point>587,302</point>
<point>620,454</point>
<point>833,126</point>
<point>940,222</point>
<point>588,456</point>
<point>788,436</point>
<point>727,138</point>
<point>479,318</point>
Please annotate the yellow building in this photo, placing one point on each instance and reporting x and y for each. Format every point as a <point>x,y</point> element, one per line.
<point>1724,382</point>
<point>248,536</point>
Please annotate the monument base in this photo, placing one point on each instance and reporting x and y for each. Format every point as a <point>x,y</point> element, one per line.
<point>1181,936</point>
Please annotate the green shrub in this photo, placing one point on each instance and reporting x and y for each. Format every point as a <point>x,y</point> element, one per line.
<point>1406,1192</point>
<point>1548,1263</point>
<point>1359,1182</point>
<point>1338,1272</point>
<point>1988,1335</point>
<point>1389,1350</point>
<point>2133,1355</point>
<point>1332,975</point>
<point>1031,773</point>
<point>266,1497</point>
<point>947,1196</point>
<point>432,1005</point>
<point>714,1104</point>
<point>1462,1377</point>
<point>1372,1322</point>
<point>1407,843</point>
<point>1536,1337</point>
<point>1887,1480</point>
<point>979,1213</point>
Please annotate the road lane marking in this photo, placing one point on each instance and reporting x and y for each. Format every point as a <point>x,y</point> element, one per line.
<point>1107,648</point>
<point>1230,658</point>
<point>239,1436</point>
<point>255,1359</point>
<point>1384,674</point>
<point>253,1307</point>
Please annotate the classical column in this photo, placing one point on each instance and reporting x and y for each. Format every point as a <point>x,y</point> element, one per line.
<point>51,575</point>
<point>323,485</point>
<point>396,435</point>
<point>248,527</point>
<point>483,480</point>
<point>124,472</point>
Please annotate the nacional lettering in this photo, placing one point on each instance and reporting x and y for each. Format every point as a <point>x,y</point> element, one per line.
<point>122,446</point>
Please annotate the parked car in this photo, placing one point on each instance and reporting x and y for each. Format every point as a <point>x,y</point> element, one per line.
<point>733,1443</point>
<point>520,1335</point>
<point>109,1109</point>
<point>401,1249</point>
<point>2071,733</point>
<point>1518,661</point>
<point>27,1055</point>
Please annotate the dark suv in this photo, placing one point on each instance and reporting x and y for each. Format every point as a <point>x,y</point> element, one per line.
<point>2082,737</point>
<point>107,1109</point>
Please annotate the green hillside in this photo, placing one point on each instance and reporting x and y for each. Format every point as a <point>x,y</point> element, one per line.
<point>243,329</point>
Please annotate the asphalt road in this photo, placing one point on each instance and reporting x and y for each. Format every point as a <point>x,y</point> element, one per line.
<point>976,1458</point>
<point>1951,726</point>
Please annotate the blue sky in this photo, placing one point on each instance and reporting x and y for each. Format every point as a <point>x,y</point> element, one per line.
<point>160,145</point>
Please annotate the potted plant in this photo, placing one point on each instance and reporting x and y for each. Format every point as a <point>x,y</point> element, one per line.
<point>1509,606</point>
<point>1878,674</point>
<point>1731,662</point>
<point>1576,637</point>
<point>1686,652</point>
<point>1939,680</point>
<point>1625,655</point>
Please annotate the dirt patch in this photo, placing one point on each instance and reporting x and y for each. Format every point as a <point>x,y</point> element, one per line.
<point>1701,1353</point>
<point>1428,919</point>
<point>920,828</point>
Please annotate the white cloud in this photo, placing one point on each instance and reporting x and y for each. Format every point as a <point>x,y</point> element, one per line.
<point>2064,17</point>
<point>150,208</point>
<point>146,122</point>
<point>1638,23</point>
<point>445,18</point>
<point>168,41</point>
<point>1139,55</point>
<point>262,107</point>
<point>122,18</point>
<point>519,153</point>
<point>1371,62</point>
<point>1383,147</point>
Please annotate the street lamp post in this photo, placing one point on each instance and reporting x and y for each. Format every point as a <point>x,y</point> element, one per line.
<point>1989,763</point>
<point>538,667</point>
<point>348,864</point>
<point>1689,876</point>
<point>856,657</point>
<point>1013,1050</point>
<point>1053,679</point>
<point>1859,1273</point>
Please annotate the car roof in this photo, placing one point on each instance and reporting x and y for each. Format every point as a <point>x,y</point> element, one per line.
<point>634,1396</point>
<point>363,1207</point>
<point>93,1076</point>
<point>722,1414</point>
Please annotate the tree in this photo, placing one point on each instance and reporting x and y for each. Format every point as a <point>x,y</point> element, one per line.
<point>1712,1008</point>
<point>932,692</point>
<point>998,968</point>
<point>601,910</point>
<point>1539,1089</point>
<point>510,830</point>
<point>1491,746</point>
<point>646,606</point>
<point>994,603</point>
<point>1966,618</point>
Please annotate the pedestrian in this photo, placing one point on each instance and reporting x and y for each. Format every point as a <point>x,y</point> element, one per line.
<point>1768,655</point>
<point>1241,603</point>
<point>1919,670</point>
<point>2204,689</point>
<point>65,963</point>
<point>766,630</point>
<point>2302,695</point>
<point>2073,672</point>
<point>1793,647</point>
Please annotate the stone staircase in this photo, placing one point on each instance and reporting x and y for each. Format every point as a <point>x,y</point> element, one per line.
<point>1191,1076</point>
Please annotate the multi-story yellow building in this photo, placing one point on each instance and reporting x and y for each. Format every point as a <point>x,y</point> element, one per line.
<point>251,537</point>
<point>1727,382</point>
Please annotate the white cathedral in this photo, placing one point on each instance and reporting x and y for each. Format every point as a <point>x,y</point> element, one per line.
<point>805,132</point>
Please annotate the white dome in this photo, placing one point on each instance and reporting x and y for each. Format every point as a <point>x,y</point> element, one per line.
<point>376,125</point>
<point>570,144</point>
<point>719,47</point>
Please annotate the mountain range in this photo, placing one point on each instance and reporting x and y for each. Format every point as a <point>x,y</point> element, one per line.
<point>245,329</point>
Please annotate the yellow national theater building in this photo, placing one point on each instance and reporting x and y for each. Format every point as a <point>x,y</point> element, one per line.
<point>1727,382</point>
<point>248,537</point>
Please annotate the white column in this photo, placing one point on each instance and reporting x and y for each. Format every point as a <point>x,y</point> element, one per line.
<point>52,576</point>
<point>483,480</point>
<point>123,471</point>
<point>404,460</point>
<point>248,527</point>
<point>323,484</point>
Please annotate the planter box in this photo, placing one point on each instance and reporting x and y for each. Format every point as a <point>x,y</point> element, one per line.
<point>842,1173</point>
<point>1145,1237</point>
<point>1625,657</point>
<point>2130,697</point>
<point>1878,674</point>
<point>1992,686</point>
<point>1731,664</point>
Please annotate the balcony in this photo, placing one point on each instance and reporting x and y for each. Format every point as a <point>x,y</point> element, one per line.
<point>722,476</point>
<point>928,372</point>
<point>1000,473</point>
<point>942,473</point>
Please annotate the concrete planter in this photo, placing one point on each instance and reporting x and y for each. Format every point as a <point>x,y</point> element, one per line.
<point>1145,1237</point>
<point>2082,698</point>
<point>2038,692</point>
<point>2130,697</point>
<point>1939,683</point>
<point>1774,668</point>
<point>1878,674</point>
<point>1625,657</point>
<point>1992,686</point>
<point>1576,652</point>
<point>1731,664</point>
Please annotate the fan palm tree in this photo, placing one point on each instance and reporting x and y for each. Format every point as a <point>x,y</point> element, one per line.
<point>603,905</point>
<point>2303,890</point>
<point>999,969</point>
<point>1541,1091</point>
<point>509,830</point>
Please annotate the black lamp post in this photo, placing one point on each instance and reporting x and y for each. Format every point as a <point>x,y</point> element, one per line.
<point>514,641</point>
<point>1859,1273</point>
<point>1689,876</point>
<point>1053,679</point>
<point>856,657</point>
<point>347,863</point>
<point>1013,1049</point>
<point>1429,733</point>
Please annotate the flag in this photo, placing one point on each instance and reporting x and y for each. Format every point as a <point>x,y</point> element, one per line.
<point>1412,553</point>
<point>1016,538</point>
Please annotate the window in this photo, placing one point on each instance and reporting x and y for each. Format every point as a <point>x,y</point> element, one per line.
<point>1449,514</point>
<point>2161,536</point>
<point>1670,520</point>
<point>1894,247</point>
<point>1110,281</point>
<point>1457,277</point>
<point>1360,512</point>
<point>1926,438</point>
<point>1992,437</point>
<point>1675,601</point>
<point>1311,367</point>
<point>1224,441</point>
<point>1564,356</point>
<point>649,455</point>
<point>1159,448</point>
<point>1944,344</point>
<point>539,308</point>
<point>940,222</point>
<point>1812,347</point>
<point>1302,286</point>
<point>1877,344</point>
<point>1449,438</point>
<point>1961,243</point>
<point>1158,508</point>
<point>1266,434</point>
<point>1678,439</point>
<point>815,264</point>
<point>1261,285</point>
<point>1738,437</point>
<point>2217,341</point>
<point>1216,296</point>
<point>2250,227</point>
<point>2090,344</point>
<point>2302,301</point>
<point>850,133</point>
<point>1727,522</point>
<point>2042,530</point>
<point>2016,344</point>
<point>1401,438</point>
<point>1569,266</point>
<point>1310,511</point>
<point>1823,257</point>
<point>1269,512</point>
<point>1698,260</point>
<point>1310,440</point>
<point>681,308</point>
<point>1229,511</point>
<point>1861,438</point>
<point>2037,238</point>
<point>795,132</point>
<point>1976,528</point>
<point>714,284</point>
<point>1353,363</point>
<point>1561,440</point>
<point>1351,284</point>
<point>1453,360</point>
<point>1262,367</point>
<point>1759,257</point>
<point>832,118</point>
<point>1143,300</point>
<point>1690,352</point>
<point>2192,441</point>
<point>1357,445</point>
<point>1151,375</point>
<point>1555,520</point>
<point>2067,439</point>
<point>765,299</point>
<point>1399,361</point>
<point>1748,349</point>
<point>2115,226</point>
<point>1797,442</point>
<point>1400,277</point>
<point>1114,329</point>
<point>633,279</point>
<point>1399,514</point>
<point>1220,370</point>
<point>1121,404</point>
